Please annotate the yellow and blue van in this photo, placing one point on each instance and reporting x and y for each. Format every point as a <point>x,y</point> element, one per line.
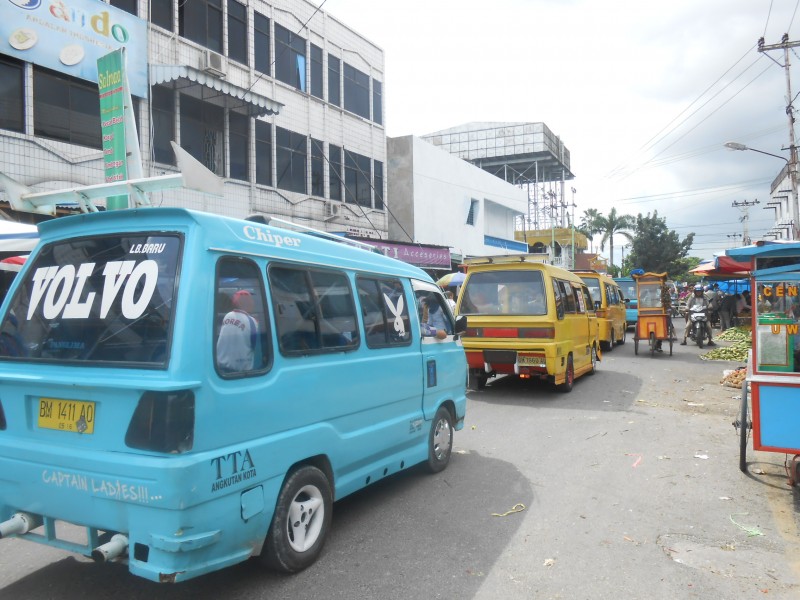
<point>193,390</point>
<point>527,319</point>
<point>609,306</point>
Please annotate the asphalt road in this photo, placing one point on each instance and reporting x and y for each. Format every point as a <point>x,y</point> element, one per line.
<point>626,488</point>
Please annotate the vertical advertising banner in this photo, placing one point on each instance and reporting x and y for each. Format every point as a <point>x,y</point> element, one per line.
<point>111,85</point>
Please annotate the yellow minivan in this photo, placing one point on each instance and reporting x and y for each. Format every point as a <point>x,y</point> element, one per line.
<point>528,319</point>
<point>609,306</point>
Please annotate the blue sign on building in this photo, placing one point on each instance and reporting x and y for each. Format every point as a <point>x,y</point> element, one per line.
<point>69,36</point>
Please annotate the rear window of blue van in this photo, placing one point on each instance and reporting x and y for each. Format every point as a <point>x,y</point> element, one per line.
<point>99,300</point>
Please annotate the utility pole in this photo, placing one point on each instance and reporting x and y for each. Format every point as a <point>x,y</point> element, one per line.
<point>573,226</point>
<point>785,45</point>
<point>734,236</point>
<point>744,207</point>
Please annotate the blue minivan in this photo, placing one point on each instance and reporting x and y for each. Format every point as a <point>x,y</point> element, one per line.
<point>194,390</point>
<point>628,287</point>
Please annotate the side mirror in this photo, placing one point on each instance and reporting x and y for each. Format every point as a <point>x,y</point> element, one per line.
<point>627,301</point>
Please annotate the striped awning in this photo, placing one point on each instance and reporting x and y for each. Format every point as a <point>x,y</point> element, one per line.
<point>258,105</point>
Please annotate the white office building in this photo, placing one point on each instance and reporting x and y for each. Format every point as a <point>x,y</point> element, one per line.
<point>280,99</point>
<point>437,198</point>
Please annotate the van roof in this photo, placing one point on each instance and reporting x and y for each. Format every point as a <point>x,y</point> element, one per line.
<point>507,258</point>
<point>592,272</point>
<point>521,264</point>
<point>226,234</point>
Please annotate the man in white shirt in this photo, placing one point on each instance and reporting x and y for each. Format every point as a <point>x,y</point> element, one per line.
<point>238,335</point>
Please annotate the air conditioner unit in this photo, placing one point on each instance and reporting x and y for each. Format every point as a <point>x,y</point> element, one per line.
<point>214,63</point>
<point>332,209</point>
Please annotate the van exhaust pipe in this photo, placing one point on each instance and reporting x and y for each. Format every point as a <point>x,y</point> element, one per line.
<point>20,523</point>
<point>114,548</point>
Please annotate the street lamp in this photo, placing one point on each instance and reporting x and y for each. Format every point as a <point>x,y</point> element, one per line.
<point>792,167</point>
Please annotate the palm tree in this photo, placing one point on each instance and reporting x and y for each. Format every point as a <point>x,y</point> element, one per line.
<point>588,226</point>
<point>614,224</point>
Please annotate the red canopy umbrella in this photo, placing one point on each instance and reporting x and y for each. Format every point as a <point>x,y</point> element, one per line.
<point>13,263</point>
<point>723,266</point>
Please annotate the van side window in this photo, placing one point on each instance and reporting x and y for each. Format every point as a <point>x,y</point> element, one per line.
<point>314,310</point>
<point>433,312</point>
<point>559,299</point>
<point>585,303</point>
<point>241,321</point>
<point>568,294</point>
<point>384,309</point>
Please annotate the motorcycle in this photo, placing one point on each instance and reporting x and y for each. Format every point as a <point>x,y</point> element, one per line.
<point>698,318</point>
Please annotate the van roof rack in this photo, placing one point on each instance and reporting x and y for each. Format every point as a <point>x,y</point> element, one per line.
<point>506,258</point>
<point>284,224</point>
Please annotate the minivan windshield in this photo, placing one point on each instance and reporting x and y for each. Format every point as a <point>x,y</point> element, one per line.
<point>498,292</point>
<point>101,300</point>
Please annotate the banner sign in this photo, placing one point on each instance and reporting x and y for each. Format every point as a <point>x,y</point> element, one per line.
<point>429,257</point>
<point>111,85</point>
<point>69,36</point>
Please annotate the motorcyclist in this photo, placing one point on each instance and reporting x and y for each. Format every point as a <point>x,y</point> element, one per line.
<point>697,299</point>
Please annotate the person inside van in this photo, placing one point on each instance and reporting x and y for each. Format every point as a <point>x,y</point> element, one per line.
<point>435,323</point>
<point>238,335</point>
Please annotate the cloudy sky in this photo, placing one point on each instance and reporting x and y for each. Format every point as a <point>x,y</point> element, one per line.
<point>643,93</point>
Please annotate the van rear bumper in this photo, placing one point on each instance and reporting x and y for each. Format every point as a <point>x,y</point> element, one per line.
<point>172,533</point>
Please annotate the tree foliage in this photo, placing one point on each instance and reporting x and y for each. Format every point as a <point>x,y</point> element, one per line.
<point>611,225</point>
<point>588,224</point>
<point>657,249</point>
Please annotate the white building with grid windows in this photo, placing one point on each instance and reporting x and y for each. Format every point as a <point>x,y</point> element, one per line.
<point>280,99</point>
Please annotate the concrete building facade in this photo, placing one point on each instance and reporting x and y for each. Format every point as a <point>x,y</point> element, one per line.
<point>279,98</point>
<point>437,198</point>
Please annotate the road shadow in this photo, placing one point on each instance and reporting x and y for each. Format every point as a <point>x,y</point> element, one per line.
<point>601,391</point>
<point>403,537</point>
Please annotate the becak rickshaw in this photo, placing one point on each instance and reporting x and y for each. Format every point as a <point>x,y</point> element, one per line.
<point>654,323</point>
<point>771,389</point>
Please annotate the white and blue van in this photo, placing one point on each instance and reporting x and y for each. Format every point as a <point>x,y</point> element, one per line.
<point>122,411</point>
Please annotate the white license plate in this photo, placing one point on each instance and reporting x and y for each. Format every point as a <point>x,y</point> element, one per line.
<point>530,361</point>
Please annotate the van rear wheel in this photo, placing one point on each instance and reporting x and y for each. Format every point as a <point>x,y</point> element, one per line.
<point>301,521</point>
<point>477,379</point>
<point>569,375</point>
<point>440,440</point>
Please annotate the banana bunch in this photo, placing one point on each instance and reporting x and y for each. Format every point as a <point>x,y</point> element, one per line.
<point>736,334</point>
<point>737,351</point>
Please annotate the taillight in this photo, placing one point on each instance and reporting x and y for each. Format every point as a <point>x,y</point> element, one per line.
<point>163,422</point>
<point>500,332</point>
<point>511,332</point>
<point>537,332</point>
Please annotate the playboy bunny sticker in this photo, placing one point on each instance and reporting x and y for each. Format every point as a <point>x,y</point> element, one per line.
<point>397,311</point>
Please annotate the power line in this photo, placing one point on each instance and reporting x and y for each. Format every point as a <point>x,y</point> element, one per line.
<point>703,120</point>
<point>653,141</point>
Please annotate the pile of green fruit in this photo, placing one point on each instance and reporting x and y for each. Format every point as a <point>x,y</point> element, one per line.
<point>742,339</point>
<point>736,334</point>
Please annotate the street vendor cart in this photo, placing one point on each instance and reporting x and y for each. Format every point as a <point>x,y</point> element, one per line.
<point>770,403</point>
<point>654,323</point>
